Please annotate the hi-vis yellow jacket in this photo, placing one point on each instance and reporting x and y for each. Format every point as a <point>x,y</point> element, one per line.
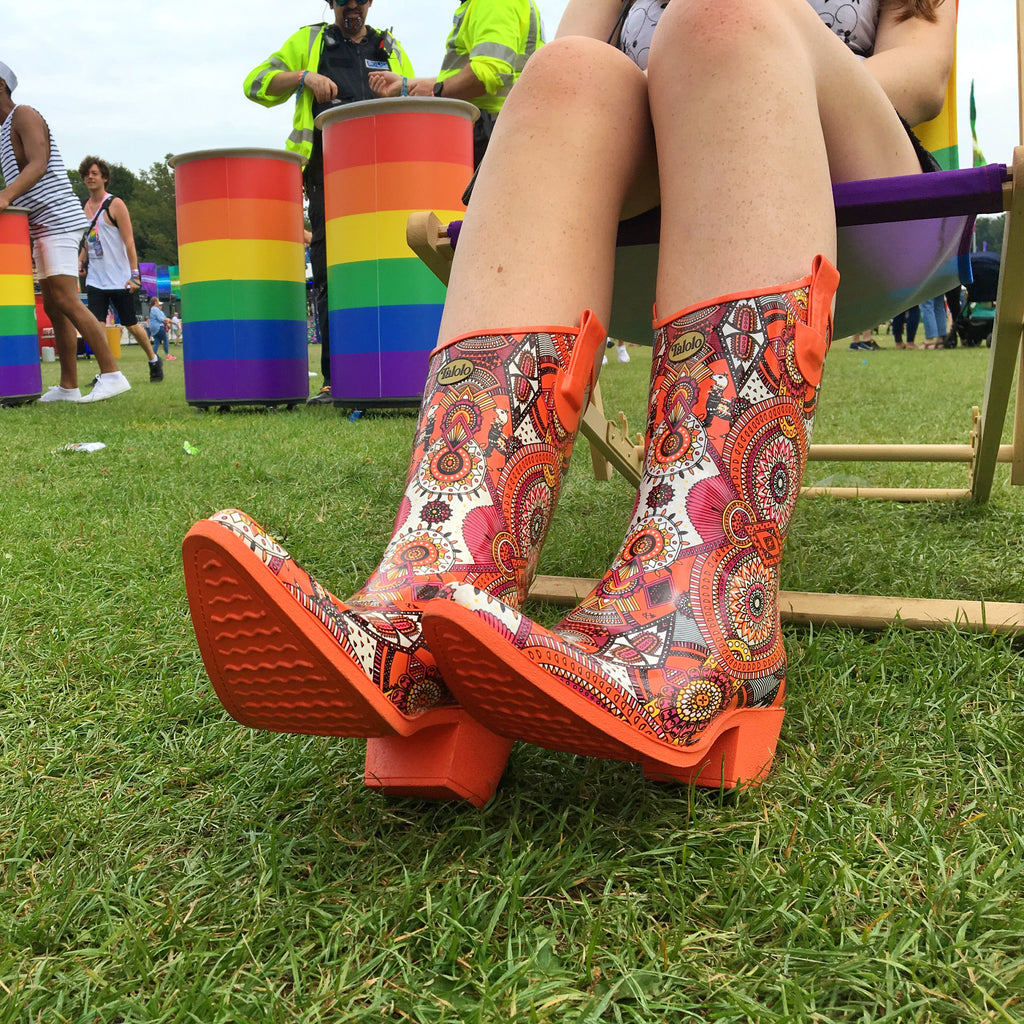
<point>301,52</point>
<point>495,37</point>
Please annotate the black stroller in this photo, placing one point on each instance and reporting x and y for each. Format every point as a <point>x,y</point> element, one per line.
<point>973,324</point>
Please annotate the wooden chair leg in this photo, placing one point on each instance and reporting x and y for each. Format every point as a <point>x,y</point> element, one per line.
<point>591,427</point>
<point>1006,338</point>
<point>611,449</point>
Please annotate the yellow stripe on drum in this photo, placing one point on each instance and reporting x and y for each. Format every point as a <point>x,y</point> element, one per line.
<point>230,259</point>
<point>373,236</point>
<point>16,290</point>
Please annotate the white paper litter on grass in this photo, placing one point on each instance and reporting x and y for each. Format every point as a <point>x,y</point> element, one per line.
<point>81,446</point>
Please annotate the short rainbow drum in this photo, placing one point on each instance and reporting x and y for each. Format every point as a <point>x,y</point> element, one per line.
<point>21,379</point>
<point>243,277</point>
<point>385,159</point>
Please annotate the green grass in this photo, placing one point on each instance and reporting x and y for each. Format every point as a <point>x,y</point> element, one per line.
<point>162,863</point>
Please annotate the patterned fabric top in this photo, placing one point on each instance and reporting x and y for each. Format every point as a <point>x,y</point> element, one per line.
<point>52,206</point>
<point>854,21</point>
<point>638,30</point>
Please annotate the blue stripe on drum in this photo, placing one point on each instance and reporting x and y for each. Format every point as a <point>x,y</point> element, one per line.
<point>245,340</point>
<point>19,349</point>
<point>385,328</point>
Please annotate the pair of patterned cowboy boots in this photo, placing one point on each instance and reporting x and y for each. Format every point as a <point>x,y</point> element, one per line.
<point>675,660</point>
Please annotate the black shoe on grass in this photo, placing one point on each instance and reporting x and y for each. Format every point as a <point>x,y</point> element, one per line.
<point>322,397</point>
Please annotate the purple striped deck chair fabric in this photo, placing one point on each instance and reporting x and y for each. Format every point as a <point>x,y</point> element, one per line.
<point>901,240</point>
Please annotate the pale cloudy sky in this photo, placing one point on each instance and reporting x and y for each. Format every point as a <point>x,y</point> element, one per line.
<point>133,80</point>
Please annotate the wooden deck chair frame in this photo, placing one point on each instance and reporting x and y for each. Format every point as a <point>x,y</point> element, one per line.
<point>613,450</point>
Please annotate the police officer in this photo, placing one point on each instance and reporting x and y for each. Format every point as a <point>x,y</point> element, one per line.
<point>487,49</point>
<point>322,66</point>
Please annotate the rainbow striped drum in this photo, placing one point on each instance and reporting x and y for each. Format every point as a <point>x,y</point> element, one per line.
<point>384,159</point>
<point>243,276</point>
<point>21,379</point>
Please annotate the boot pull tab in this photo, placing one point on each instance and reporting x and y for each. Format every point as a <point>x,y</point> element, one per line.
<point>579,376</point>
<point>812,339</point>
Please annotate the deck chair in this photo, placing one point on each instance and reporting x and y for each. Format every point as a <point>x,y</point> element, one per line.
<point>923,223</point>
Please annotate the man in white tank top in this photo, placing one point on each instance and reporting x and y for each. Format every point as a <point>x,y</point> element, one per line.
<point>35,176</point>
<point>113,278</point>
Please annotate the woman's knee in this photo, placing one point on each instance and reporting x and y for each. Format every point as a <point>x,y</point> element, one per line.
<point>577,76</point>
<point>706,30</point>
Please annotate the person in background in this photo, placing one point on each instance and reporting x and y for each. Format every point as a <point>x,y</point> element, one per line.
<point>174,333</point>
<point>488,47</point>
<point>157,321</point>
<point>36,180</point>
<point>933,317</point>
<point>908,319</point>
<point>168,327</point>
<point>954,304</point>
<point>324,66</point>
<point>863,340</point>
<point>113,277</point>
<point>620,347</point>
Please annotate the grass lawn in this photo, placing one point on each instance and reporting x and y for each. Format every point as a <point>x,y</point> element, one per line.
<point>163,863</point>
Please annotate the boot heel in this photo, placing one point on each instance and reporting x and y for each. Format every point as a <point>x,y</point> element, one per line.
<point>459,760</point>
<point>741,753</point>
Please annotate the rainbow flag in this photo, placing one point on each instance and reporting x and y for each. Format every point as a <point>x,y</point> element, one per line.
<point>979,157</point>
<point>939,134</point>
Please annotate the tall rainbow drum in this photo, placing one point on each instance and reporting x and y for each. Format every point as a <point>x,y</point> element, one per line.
<point>242,266</point>
<point>21,379</point>
<point>385,159</point>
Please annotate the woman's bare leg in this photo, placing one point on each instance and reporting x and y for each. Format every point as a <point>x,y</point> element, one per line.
<point>538,242</point>
<point>757,108</point>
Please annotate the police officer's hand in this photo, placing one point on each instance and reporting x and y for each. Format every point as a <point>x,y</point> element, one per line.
<point>385,83</point>
<point>323,89</point>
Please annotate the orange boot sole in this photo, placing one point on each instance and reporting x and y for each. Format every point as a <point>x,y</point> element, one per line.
<point>510,694</point>
<point>275,666</point>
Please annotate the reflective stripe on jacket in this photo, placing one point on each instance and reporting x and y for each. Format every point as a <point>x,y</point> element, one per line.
<point>495,38</point>
<point>301,52</point>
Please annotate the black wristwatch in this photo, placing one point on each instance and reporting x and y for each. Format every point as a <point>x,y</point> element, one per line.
<point>439,88</point>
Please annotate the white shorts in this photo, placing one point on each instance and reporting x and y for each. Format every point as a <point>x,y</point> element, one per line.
<point>57,254</point>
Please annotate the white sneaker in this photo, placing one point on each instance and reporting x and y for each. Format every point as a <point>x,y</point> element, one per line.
<point>59,394</point>
<point>107,385</point>
<point>604,360</point>
<point>623,354</point>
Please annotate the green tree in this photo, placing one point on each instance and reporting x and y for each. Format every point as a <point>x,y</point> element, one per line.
<point>990,229</point>
<point>154,217</point>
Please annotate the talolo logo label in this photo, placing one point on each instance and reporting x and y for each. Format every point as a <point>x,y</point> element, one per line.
<point>455,371</point>
<point>686,346</point>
